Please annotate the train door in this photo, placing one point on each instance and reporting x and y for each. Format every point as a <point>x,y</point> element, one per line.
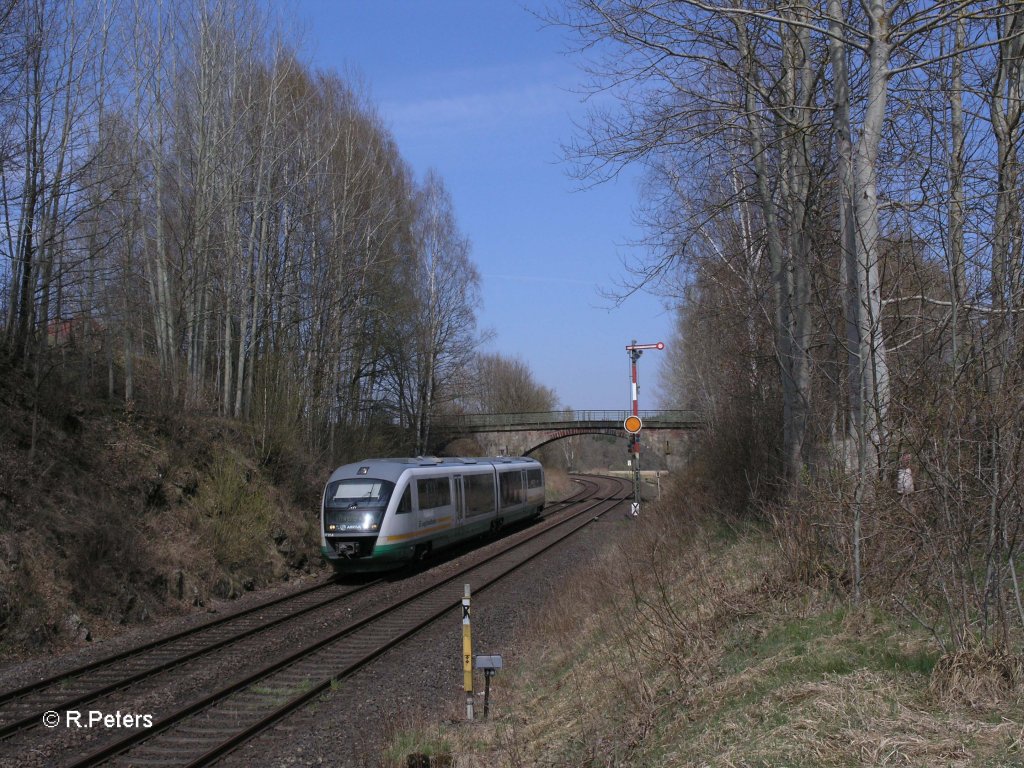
<point>434,499</point>
<point>460,499</point>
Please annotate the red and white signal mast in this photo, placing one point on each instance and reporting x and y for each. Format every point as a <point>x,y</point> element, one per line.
<point>633,424</point>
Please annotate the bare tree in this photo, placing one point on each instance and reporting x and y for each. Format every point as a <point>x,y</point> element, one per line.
<point>175,174</point>
<point>506,385</point>
<point>719,79</point>
<point>887,218</point>
<point>436,336</point>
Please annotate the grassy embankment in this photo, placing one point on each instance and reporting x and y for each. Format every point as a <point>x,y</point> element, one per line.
<point>687,645</point>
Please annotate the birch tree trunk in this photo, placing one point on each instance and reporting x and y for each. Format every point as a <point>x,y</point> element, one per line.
<point>874,370</point>
<point>150,47</point>
<point>868,381</point>
<point>868,376</point>
<point>789,242</point>
<point>957,266</point>
<point>27,241</point>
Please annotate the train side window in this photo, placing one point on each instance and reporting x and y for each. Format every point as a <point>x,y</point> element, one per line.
<point>434,492</point>
<point>405,505</point>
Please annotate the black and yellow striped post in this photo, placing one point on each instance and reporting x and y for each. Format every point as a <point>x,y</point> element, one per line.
<point>467,655</point>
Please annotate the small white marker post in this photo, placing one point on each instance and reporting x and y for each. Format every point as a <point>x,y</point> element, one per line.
<point>467,655</point>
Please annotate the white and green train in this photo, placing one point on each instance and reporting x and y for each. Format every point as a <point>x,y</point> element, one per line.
<point>381,513</point>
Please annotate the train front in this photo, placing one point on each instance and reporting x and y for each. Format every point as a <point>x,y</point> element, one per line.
<point>352,514</point>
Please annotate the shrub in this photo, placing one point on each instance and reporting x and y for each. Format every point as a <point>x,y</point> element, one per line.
<point>236,515</point>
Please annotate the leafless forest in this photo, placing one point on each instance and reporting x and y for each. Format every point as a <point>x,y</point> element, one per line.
<point>215,227</point>
<point>219,279</point>
<point>834,195</point>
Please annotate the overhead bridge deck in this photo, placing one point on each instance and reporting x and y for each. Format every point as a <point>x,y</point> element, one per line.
<point>559,420</point>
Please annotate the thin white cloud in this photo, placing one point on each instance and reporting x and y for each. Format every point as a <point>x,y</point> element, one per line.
<point>486,97</point>
<point>538,279</point>
<point>504,107</point>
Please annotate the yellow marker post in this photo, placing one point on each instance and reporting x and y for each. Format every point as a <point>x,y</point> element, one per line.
<point>467,655</point>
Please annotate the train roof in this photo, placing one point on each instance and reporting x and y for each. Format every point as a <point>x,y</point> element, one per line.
<point>391,469</point>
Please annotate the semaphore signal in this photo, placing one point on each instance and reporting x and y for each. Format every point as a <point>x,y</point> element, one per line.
<point>632,424</point>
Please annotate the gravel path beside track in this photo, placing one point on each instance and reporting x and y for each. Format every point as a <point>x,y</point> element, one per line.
<point>421,681</point>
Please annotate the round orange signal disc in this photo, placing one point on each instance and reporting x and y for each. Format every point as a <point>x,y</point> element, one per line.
<point>632,424</point>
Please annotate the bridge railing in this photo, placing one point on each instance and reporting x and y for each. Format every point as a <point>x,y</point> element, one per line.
<point>485,421</point>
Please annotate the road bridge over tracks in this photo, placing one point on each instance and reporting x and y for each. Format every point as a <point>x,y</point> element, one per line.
<point>523,433</point>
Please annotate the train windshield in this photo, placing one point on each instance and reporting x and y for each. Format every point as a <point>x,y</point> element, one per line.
<point>358,492</point>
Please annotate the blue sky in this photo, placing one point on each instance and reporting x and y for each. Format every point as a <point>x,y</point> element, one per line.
<point>486,94</point>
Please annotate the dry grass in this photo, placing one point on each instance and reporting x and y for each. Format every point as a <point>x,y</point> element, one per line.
<point>684,646</point>
<point>980,679</point>
<point>558,485</point>
<point>413,736</point>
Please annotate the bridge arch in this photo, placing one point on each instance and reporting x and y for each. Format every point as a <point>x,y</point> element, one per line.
<point>524,433</point>
<point>564,433</point>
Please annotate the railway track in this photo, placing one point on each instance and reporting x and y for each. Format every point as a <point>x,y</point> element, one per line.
<point>24,707</point>
<point>210,725</point>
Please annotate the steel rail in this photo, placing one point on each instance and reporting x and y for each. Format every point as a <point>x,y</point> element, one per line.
<point>235,741</point>
<point>128,742</point>
<point>35,717</point>
<point>62,677</point>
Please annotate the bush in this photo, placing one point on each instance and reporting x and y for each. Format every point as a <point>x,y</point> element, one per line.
<point>236,515</point>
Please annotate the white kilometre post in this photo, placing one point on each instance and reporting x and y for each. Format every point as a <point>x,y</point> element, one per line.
<point>467,655</point>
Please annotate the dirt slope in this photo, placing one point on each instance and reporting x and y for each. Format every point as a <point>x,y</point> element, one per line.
<point>111,516</point>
